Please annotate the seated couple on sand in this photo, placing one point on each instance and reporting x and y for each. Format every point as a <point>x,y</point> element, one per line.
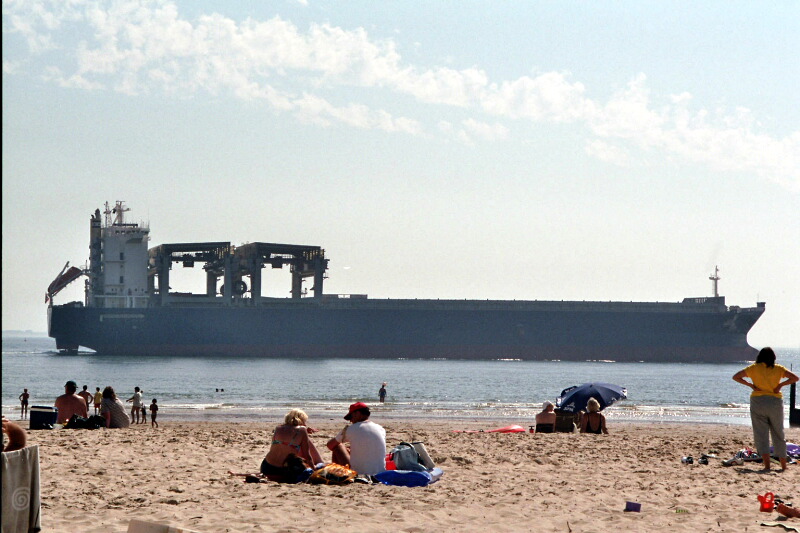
<point>591,422</point>
<point>292,455</point>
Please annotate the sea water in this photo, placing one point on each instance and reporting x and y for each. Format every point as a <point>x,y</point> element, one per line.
<point>254,389</point>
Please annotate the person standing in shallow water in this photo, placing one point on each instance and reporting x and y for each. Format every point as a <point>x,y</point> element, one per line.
<point>86,395</point>
<point>766,403</point>
<point>382,392</point>
<point>23,402</point>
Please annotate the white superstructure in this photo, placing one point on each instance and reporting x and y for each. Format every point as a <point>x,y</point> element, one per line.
<point>117,260</point>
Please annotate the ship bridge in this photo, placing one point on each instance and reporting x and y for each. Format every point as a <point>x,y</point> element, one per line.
<point>231,264</point>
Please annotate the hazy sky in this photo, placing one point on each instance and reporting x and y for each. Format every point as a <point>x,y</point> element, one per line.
<point>455,149</point>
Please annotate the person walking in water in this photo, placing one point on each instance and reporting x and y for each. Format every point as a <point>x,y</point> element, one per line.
<point>382,392</point>
<point>766,403</point>
<point>23,402</point>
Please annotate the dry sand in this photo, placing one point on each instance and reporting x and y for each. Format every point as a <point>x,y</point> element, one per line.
<point>97,481</point>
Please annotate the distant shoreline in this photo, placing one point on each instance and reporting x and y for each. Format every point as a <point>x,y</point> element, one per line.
<point>23,333</point>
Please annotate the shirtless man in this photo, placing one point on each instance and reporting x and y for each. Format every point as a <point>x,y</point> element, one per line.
<point>86,395</point>
<point>546,420</point>
<point>69,403</point>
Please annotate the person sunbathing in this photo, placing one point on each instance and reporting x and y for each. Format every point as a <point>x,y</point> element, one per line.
<point>291,451</point>
<point>593,421</point>
<point>546,420</point>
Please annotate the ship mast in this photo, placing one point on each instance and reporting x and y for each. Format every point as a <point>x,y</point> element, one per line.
<point>715,279</point>
<point>118,211</point>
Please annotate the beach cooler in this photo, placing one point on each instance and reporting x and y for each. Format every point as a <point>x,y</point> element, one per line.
<point>43,416</point>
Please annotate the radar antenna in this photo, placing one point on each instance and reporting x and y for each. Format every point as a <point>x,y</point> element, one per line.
<point>715,279</point>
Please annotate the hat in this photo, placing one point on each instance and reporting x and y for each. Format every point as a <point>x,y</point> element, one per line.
<point>355,407</point>
<point>545,405</point>
<point>71,384</point>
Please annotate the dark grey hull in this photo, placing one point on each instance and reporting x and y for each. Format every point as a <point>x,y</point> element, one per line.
<point>309,328</point>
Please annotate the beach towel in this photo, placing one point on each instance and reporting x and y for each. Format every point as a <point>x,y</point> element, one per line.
<point>409,478</point>
<point>508,429</point>
<point>333,474</point>
<point>792,450</point>
<point>21,504</point>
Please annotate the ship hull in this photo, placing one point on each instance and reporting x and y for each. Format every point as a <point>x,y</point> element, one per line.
<point>568,331</point>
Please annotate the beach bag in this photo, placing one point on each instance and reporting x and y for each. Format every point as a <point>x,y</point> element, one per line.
<point>406,457</point>
<point>96,422</point>
<point>332,474</point>
<point>79,422</point>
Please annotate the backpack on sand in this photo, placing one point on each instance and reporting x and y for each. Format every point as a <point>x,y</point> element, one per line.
<point>406,457</point>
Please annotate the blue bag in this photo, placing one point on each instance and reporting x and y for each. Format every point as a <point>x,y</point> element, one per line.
<point>408,478</point>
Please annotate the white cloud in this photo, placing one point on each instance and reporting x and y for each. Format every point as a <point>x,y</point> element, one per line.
<point>549,96</point>
<point>483,130</point>
<point>144,46</point>
<point>608,153</point>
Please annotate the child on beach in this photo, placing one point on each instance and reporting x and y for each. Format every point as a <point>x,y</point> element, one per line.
<point>98,399</point>
<point>153,413</point>
<point>144,414</point>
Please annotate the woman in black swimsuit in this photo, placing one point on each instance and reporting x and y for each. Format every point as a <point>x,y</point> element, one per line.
<point>593,421</point>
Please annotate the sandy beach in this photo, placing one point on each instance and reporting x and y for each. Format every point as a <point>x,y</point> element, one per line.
<point>97,481</point>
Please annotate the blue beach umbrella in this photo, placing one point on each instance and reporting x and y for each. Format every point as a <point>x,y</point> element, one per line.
<point>574,399</point>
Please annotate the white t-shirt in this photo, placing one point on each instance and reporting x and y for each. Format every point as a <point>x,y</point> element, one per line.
<point>367,446</point>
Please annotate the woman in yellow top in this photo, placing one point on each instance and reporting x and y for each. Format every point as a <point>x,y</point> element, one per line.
<point>766,403</point>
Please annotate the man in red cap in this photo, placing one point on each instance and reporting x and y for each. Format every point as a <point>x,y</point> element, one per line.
<point>367,453</point>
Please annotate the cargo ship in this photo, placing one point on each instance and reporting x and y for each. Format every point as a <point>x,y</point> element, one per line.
<point>130,310</point>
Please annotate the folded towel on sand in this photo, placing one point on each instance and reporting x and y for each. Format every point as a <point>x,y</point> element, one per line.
<point>21,504</point>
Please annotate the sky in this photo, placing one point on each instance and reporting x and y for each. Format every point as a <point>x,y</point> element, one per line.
<point>603,151</point>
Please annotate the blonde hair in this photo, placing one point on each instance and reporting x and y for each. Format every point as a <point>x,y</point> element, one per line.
<point>593,405</point>
<point>296,417</point>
